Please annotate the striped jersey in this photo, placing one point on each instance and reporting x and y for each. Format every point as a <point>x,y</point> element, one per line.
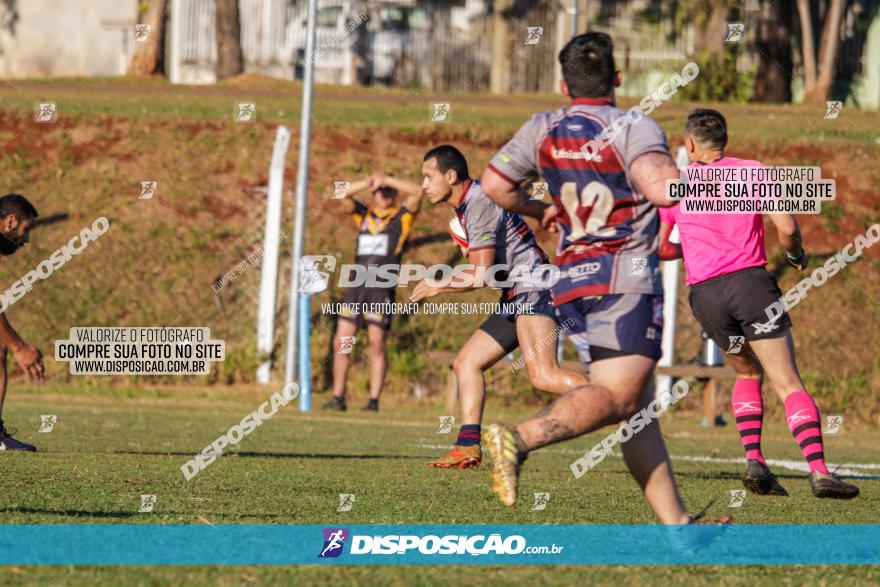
<point>488,225</point>
<point>608,237</point>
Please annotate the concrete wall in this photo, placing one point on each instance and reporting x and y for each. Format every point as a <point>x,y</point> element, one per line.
<point>40,38</point>
<point>56,38</point>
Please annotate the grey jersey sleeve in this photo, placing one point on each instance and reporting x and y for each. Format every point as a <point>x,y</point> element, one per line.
<point>482,219</point>
<point>517,161</point>
<point>645,136</point>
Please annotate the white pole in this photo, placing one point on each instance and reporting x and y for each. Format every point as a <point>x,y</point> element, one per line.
<point>670,271</point>
<point>269,277</point>
<point>176,52</point>
<point>302,184</point>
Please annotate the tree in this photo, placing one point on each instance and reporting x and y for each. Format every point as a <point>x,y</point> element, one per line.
<point>711,23</point>
<point>148,57</point>
<point>817,86</point>
<point>230,60</point>
<point>719,79</point>
<point>773,80</point>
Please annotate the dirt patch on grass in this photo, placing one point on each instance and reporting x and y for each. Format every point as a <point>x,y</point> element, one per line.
<point>163,255</point>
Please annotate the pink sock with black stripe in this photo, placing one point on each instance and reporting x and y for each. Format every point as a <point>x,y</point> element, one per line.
<point>804,423</point>
<point>748,410</point>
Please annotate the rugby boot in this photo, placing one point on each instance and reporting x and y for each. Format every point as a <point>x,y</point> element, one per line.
<point>460,457</point>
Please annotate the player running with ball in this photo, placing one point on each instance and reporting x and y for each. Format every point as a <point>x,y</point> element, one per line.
<point>493,236</point>
<point>724,259</point>
<point>610,285</point>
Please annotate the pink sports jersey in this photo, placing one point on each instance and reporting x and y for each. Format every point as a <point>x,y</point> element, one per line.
<point>718,244</point>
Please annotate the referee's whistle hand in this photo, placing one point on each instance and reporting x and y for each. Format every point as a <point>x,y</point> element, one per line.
<point>800,263</point>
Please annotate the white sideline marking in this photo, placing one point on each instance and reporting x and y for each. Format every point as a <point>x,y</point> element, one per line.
<point>845,469</point>
<point>366,421</point>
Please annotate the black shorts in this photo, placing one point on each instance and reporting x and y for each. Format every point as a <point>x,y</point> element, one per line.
<point>502,325</point>
<point>364,305</point>
<point>503,330</point>
<point>732,306</point>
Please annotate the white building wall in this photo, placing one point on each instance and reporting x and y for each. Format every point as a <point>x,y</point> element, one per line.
<point>40,38</point>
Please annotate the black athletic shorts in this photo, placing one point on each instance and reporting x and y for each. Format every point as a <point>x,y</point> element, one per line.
<point>503,330</point>
<point>732,306</point>
<point>368,305</point>
<point>502,325</point>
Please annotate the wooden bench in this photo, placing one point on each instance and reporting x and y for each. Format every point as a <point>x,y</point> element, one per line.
<point>712,379</point>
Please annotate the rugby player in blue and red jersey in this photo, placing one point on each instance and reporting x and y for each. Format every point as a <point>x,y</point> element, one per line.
<point>604,206</point>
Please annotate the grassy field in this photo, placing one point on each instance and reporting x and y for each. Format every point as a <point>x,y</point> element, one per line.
<point>630,576</point>
<point>117,439</point>
<point>108,448</point>
<point>157,263</point>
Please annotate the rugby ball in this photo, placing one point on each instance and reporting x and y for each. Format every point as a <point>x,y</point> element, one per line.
<point>456,231</point>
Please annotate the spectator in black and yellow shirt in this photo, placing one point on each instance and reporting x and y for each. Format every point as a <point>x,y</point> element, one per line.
<point>383,229</point>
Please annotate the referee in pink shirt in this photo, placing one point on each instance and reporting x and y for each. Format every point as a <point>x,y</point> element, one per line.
<point>730,289</point>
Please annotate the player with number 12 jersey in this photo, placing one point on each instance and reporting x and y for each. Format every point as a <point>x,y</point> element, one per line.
<point>608,239</point>
<point>609,299</point>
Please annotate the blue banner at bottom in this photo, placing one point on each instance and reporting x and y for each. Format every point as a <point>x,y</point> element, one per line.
<point>110,544</point>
